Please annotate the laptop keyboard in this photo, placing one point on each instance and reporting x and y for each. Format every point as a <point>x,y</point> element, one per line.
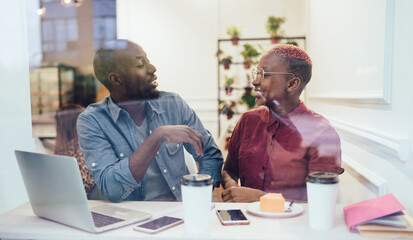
<point>104,220</point>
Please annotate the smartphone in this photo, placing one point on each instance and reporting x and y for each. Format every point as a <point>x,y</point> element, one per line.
<point>232,217</point>
<point>158,224</point>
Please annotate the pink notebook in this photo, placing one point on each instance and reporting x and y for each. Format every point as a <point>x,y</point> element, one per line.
<point>361,212</point>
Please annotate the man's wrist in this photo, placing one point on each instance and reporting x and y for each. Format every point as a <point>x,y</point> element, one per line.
<point>158,134</point>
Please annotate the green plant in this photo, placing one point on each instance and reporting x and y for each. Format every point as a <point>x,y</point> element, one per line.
<point>249,100</point>
<point>273,25</point>
<point>219,53</point>
<point>226,60</point>
<point>292,43</point>
<point>249,52</point>
<point>229,81</point>
<point>233,31</point>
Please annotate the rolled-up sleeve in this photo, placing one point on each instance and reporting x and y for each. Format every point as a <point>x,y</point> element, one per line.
<point>211,162</point>
<point>110,172</point>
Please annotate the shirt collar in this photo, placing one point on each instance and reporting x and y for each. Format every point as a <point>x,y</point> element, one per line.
<point>150,107</point>
<point>289,118</point>
<point>114,110</point>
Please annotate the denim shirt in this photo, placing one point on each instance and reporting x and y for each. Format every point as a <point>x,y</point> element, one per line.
<point>107,152</point>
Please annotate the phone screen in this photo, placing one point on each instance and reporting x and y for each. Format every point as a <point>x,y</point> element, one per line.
<point>232,215</point>
<point>160,222</point>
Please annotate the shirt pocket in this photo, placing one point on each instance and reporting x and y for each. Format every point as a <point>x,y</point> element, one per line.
<point>173,148</point>
<point>176,161</point>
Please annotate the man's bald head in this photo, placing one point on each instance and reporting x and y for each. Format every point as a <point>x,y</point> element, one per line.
<point>107,59</point>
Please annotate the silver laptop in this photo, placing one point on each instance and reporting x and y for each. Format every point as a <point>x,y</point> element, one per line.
<point>56,192</point>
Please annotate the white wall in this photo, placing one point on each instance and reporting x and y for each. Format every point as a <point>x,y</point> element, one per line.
<point>376,130</point>
<point>15,119</point>
<point>251,16</point>
<point>180,38</point>
<point>34,31</point>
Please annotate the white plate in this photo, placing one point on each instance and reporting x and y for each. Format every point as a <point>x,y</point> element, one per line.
<point>254,209</point>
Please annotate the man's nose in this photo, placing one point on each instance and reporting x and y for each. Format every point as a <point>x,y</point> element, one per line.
<point>151,68</point>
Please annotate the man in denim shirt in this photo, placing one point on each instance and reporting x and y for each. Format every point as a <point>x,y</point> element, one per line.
<point>133,140</point>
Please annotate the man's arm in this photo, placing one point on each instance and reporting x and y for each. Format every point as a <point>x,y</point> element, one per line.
<point>109,166</point>
<point>117,176</point>
<point>211,161</point>
<point>140,160</point>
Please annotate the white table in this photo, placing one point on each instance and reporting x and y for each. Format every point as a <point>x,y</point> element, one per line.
<point>21,223</point>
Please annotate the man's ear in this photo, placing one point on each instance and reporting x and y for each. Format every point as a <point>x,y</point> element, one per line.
<point>293,84</point>
<point>114,79</point>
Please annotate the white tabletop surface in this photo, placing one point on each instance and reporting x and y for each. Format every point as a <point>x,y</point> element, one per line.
<point>21,223</point>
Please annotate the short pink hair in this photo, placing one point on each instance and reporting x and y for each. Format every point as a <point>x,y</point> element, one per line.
<point>296,60</point>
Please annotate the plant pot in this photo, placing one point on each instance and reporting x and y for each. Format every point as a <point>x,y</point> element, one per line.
<point>228,90</point>
<point>275,39</point>
<point>247,64</point>
<point>248,90</point>
<point>229,115</point>
<point>226,66</point>
<point>234,41</point>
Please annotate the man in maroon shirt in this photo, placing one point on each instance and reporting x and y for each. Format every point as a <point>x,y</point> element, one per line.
<point>274,147</point>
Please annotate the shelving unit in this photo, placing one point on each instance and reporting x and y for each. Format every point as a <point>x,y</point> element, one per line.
<point>242,75</point>
<point>51,87</point>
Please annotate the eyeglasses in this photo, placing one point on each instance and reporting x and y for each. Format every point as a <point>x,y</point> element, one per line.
<point>260,74</point>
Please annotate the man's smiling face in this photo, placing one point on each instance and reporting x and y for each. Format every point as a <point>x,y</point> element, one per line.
<point>138,73</point>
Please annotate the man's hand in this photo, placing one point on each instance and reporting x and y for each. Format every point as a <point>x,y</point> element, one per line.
<point>242,194</point>
<point>182,133</point>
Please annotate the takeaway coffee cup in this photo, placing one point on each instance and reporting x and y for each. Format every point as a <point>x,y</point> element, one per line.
<point>196,201</point>
<point>322,190</point>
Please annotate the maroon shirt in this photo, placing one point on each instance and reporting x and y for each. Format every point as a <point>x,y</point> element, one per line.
<point>275,154</point>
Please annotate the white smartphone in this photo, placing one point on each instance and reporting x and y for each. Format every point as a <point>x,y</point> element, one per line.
<point>232,217</point>
<point>158,224</point>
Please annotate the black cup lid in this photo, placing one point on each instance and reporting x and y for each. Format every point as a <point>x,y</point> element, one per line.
<point>196,180</point>
<point>322,177</point>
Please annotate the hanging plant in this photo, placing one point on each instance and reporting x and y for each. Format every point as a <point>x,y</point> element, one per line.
<point>249,53</point>
<point>226,61</point>
<point>248,98</point>
<point>273,28</point>
<point>292,43</point>
<point>234,32</point>
<point>228,85</point>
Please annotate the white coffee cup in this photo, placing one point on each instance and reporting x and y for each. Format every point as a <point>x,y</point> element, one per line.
<point>322,190</point>
<point>196,200</point>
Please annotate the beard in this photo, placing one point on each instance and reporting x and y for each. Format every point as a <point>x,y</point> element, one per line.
<point>141,92</point>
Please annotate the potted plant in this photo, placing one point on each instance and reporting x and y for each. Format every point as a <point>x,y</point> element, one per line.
<point>234,32</point>
<point>226,61</point>
<point>249,53</point>
<point>292,43</point>
<point>273,26</point>
<point>227,108</point>
<point>248,98</point>
<point>228,85</point>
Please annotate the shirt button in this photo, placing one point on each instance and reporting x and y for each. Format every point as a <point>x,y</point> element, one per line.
<point>150,131</point>
<point>157,152</point>
<point>263,167</point>
<point>165,171</point>
<point>93,164</point>
<point>177,145</point>
<point>173,188</point>
<point>121,155</point>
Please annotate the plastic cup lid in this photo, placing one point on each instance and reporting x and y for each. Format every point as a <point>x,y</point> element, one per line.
<point>196,180</point>
<point>322,177</point>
